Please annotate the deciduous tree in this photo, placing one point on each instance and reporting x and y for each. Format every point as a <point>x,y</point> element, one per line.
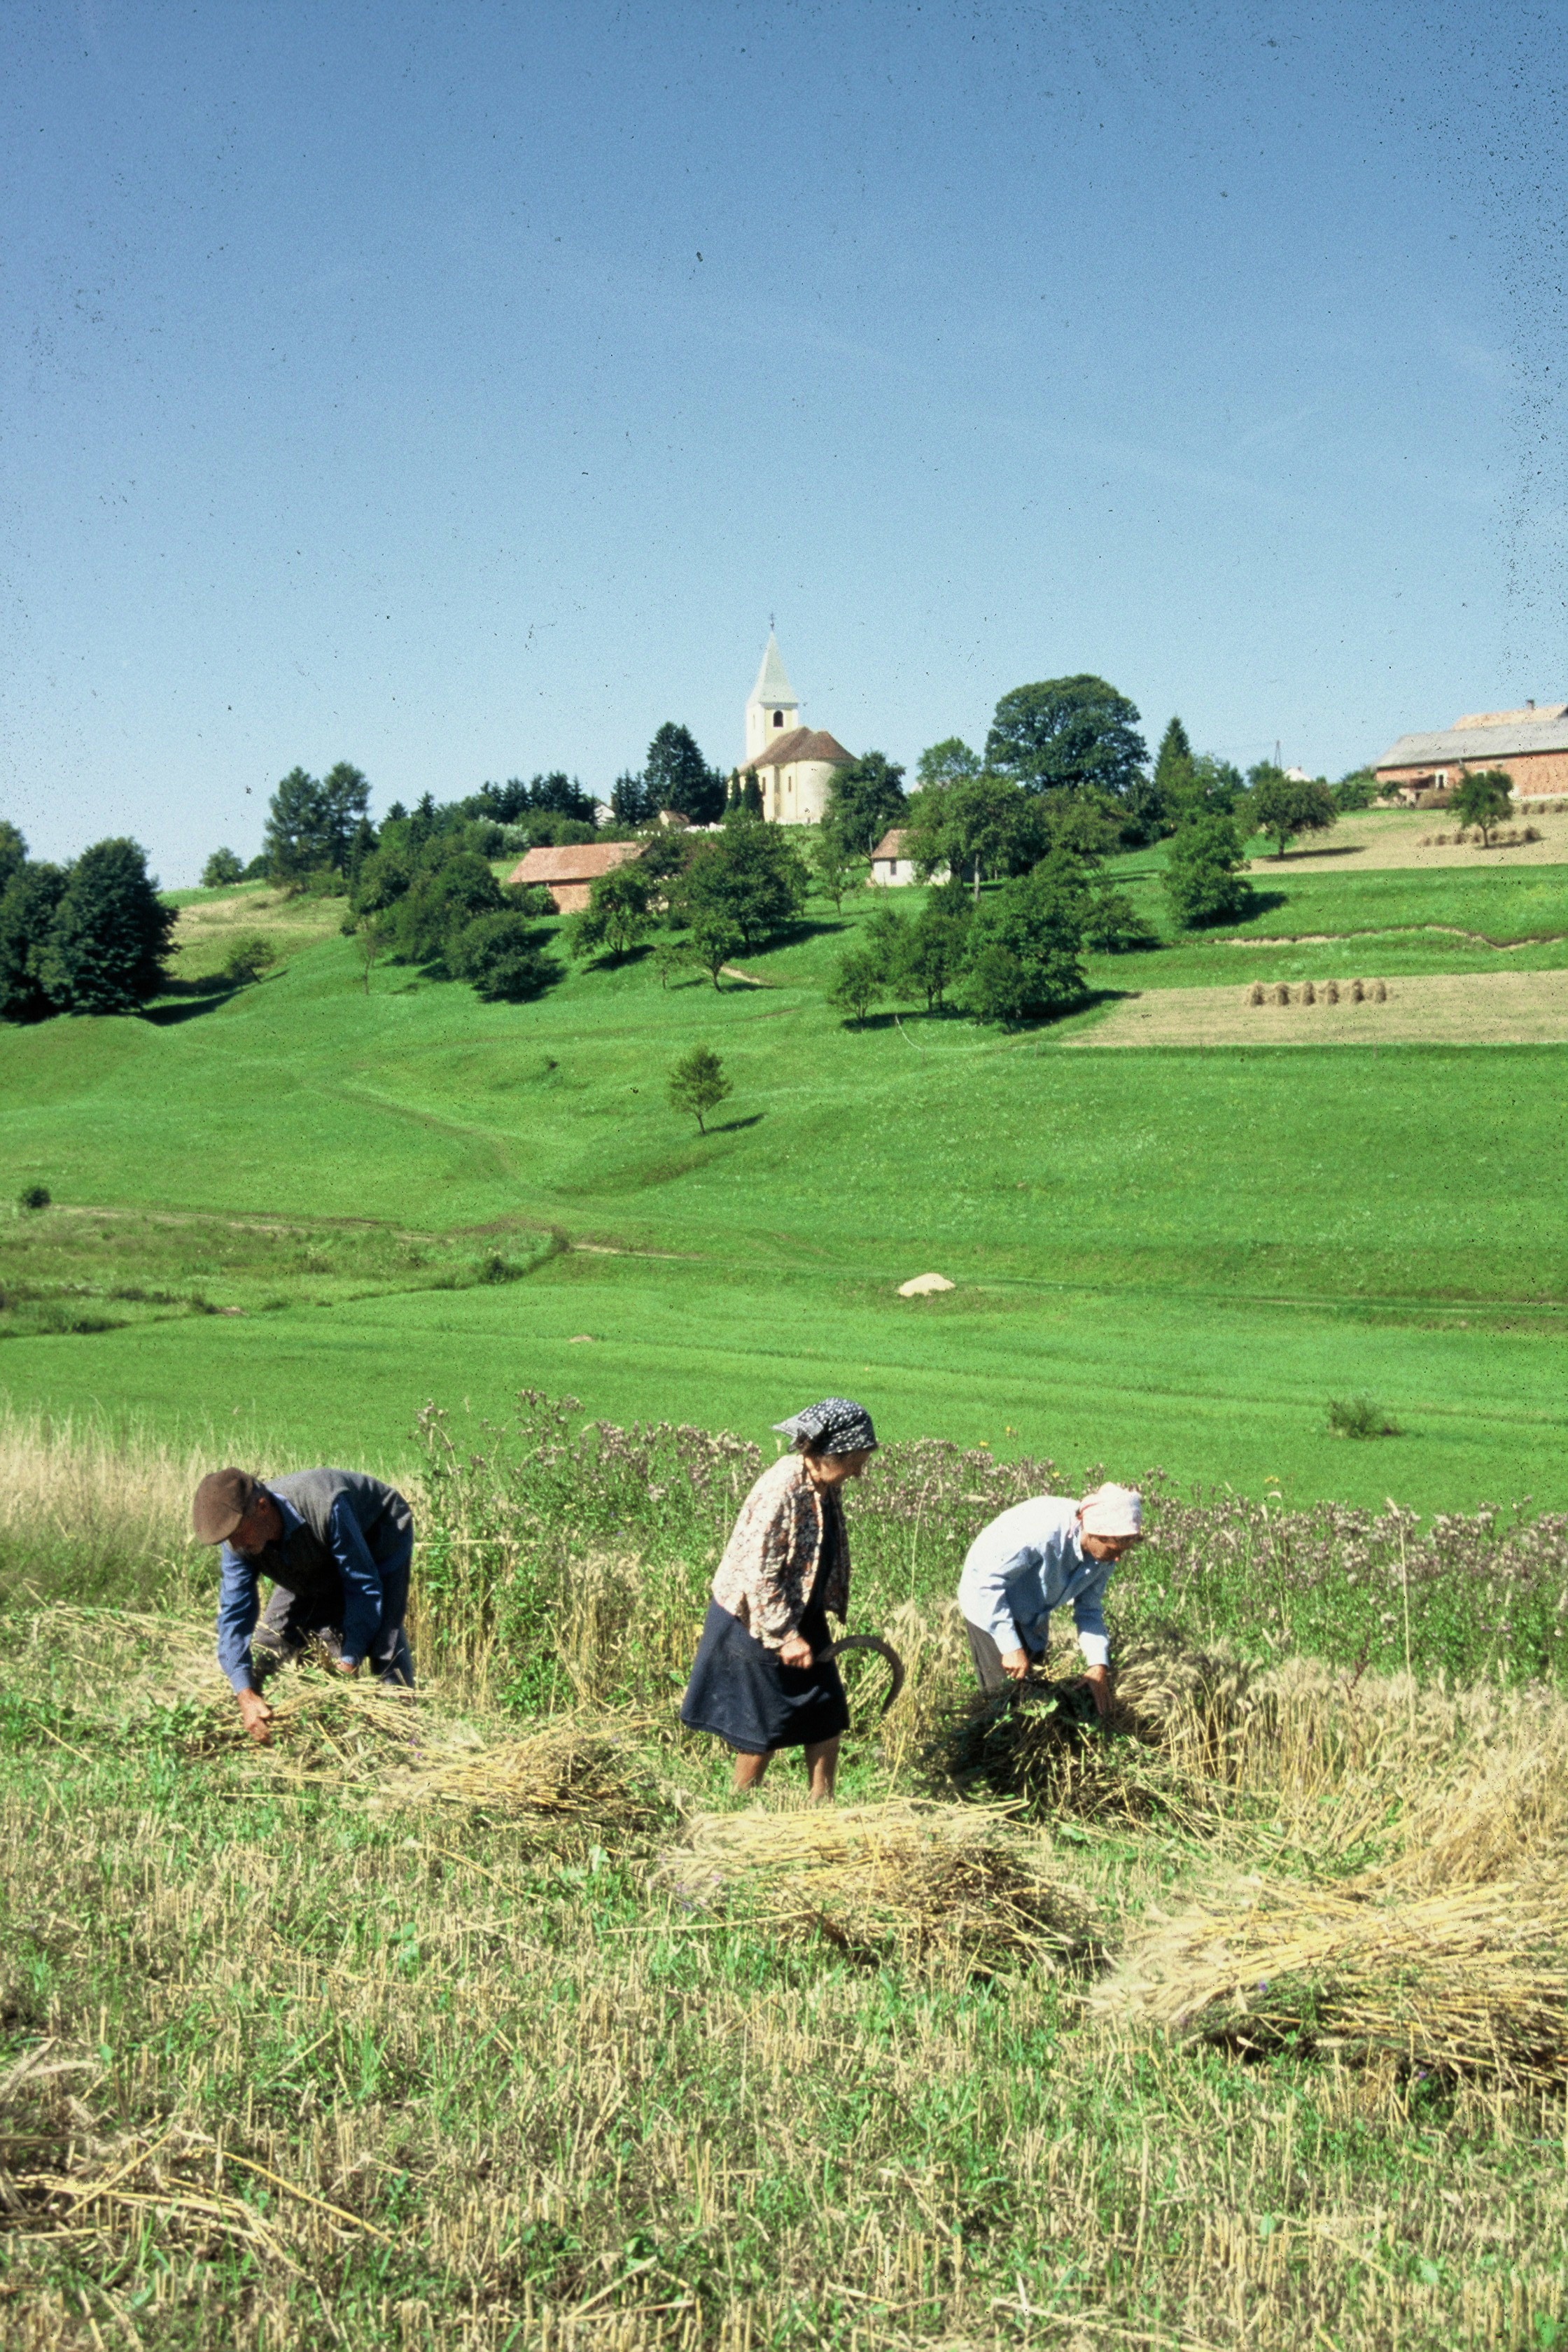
<point>222,868</point>
<point>110,941</point>
<point>1205,880</point>
<point>1282,806</point>
<point>28,905</point>
<point>863,800</point>
<point>618,914</point>
<point>751,874</point>
<point>1066,732</point>
<point>1025,944</point>
<point>856,983</point>
<point>1484,799</point>
<point>503,957</point>
<point>698,1084</point>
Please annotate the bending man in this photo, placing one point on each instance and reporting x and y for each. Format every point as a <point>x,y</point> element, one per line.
<point>1035,1558</point>
<point>337,1546</point>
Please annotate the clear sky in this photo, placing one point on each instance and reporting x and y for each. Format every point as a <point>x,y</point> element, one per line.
<point>458,389</point>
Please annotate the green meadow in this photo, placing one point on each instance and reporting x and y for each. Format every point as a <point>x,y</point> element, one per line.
<point>307,1208</point>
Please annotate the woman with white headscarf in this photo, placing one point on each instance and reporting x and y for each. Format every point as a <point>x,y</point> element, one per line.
<point>761,1682</point>
<point>1043,1555</point>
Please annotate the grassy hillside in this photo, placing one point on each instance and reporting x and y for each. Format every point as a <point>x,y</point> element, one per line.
<point>1170,1257</point>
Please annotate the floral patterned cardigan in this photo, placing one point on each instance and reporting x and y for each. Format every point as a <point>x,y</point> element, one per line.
<point>771,1561</point>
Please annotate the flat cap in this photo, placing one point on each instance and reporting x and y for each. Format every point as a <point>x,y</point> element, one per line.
<point>222,1501</point>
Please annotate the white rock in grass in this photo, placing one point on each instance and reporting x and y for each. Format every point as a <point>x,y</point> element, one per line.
<point>922,1285</point>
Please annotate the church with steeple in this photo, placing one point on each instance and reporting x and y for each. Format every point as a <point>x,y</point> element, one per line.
<point>793,765</point>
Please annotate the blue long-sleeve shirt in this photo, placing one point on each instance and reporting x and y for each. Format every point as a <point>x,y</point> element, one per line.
<point>1027,1563</point>
<point>239,1599</point>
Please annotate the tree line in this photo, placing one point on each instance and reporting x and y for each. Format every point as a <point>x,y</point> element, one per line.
<point>90,937</point>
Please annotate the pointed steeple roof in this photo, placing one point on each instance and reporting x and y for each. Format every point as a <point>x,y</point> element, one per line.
<point>773,679</point>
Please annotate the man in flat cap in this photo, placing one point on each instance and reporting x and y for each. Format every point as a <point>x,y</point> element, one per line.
<point>1037,1557</point>
<point>338,1547</point>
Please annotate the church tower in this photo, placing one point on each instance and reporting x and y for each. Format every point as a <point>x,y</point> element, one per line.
<point>774,709</point>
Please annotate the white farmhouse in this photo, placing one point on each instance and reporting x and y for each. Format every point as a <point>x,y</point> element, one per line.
<point>793,765</point>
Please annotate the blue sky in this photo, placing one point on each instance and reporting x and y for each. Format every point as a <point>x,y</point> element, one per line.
<point>459,389</point>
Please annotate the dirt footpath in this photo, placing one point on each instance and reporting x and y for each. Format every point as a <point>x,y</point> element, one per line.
<point>1375,838</point>
<point>1494,1008</point>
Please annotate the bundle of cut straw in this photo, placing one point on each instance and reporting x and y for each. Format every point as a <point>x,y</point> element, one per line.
<point>903,1879</point>
<point>1156,1753</point>
<point>587,1773</point>
<point>1472,1980</point>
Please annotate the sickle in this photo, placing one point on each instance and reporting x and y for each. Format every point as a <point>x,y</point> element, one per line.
<point>868,1641</point>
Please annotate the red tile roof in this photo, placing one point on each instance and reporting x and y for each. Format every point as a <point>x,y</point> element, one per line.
<point>891,844</point>
<point>802,743</point>
<point>579,861</point>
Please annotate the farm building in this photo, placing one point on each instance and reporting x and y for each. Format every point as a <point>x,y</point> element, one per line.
<point>1530,745</point>
<point>793,765</point>
<point>890,869</point>
<point>570,874</point>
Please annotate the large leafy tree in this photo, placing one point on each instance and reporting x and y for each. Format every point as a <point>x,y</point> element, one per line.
<point>750,876</point>
<point>676,776</point>
<point>502,955</point>
<point>980,826</point>
<point>441,901</point>
<point>950,762</point>
<point>1065,733</point>
<point>110,940</point>
<point>28,903</point>
<point>1026,944</point>
<point>863,800</point>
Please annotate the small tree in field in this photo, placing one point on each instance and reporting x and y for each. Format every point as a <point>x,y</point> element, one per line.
<point>714,939</point>
<point>372,934</point>
<point>252,954</point>
<point>698,1084</point>
<point>859,980</point>
<point>832,868</point>
<point>1484,800</point>
<point>221,869</point>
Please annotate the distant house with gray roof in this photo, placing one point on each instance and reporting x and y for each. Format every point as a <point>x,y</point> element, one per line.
<point>1530,746</point>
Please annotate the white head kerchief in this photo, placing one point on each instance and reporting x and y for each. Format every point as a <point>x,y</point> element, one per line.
<point>1112,1511</point>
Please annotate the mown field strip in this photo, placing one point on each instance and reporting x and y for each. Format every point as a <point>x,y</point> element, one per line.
<point>1497,1008</point>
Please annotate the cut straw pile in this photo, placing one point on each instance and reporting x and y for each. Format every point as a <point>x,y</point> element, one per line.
<point>1473,1981</point>
<point>377,1740</point>
<point>1166,1743</point>
<point>905,1879</point>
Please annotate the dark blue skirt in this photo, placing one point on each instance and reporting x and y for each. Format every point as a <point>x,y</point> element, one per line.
<point>740,1692</point>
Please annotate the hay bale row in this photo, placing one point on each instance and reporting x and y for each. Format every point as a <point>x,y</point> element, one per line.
<point>1358,991</point>
<point>907,1880</point>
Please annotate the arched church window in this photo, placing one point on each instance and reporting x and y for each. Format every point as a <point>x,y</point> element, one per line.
<point>778,719</point>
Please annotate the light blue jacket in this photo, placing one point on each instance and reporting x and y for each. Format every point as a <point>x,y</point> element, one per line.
<point>1028,1562</point>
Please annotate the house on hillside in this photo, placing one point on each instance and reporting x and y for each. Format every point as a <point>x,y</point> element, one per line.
<point>793,765</point>
<point>890,869</point>
<point>1530,746</point>
<point>570,874</point>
